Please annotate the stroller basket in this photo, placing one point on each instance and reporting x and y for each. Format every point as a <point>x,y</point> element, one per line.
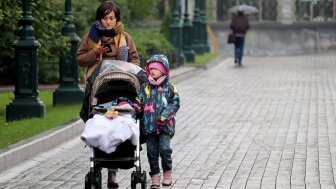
<point>122,157</point>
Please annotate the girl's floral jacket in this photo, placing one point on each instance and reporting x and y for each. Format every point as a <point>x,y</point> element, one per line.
<point>159,104</point>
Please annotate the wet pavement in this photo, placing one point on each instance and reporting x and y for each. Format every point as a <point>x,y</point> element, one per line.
<point>268,124</point>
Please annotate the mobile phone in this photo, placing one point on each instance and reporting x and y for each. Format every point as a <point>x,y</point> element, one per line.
<point>108,46</point>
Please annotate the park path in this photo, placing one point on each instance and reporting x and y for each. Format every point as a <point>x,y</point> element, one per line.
<point>268,124</point>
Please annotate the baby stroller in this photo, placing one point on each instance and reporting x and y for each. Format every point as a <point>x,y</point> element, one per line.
<point>115,79</point>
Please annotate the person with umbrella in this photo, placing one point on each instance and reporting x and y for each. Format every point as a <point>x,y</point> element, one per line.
<point>239,26</point>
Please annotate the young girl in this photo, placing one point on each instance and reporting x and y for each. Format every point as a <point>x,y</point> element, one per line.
<point>160,102</point>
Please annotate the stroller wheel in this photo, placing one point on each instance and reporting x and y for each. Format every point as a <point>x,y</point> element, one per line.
<point>87,182</point>
<point>98,181</point>
<point>143,180</point>
<point>133,180</point>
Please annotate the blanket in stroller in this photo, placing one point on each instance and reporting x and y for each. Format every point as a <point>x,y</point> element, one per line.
<point>106,134</point>
<point>113,90</point>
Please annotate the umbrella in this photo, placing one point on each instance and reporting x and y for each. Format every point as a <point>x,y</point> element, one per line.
<point>247,9</point>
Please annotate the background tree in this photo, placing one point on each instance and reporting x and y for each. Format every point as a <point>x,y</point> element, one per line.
<point>47,28</point>
<point>48,24</point>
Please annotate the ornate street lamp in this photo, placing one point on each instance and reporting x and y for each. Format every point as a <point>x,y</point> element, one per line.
<point>187,38</point>
<point>26,103</point>
<point>176,32</point>
<point>197,42</point>
<point>203,25</point>
<point>69,91</point>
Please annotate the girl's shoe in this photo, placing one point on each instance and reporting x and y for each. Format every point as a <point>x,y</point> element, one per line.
<point>112,180</point>
<point>167,178</point>
<point>156,179</point>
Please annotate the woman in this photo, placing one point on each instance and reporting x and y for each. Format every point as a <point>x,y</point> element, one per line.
<point>105,40</point>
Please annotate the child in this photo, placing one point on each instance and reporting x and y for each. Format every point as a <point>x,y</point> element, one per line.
<point>160,102</point>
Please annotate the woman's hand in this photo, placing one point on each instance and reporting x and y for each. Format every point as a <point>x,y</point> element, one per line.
<point>101,50</point>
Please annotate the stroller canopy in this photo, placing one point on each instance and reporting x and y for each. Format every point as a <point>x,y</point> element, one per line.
<point>118,65</point>
<point>115,77</point>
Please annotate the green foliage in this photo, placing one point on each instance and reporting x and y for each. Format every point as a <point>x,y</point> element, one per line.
<point>84,13</point>
<point>8,25</point>
<point>16,131</point>
<point>203,59</point>
<point>47,30</point>
<point>125,11</point>
<point>138,10</point>
<point>47,15</point>
<point>48,22</point>
<point>132,11</point>
<point>49,72</point>
<point>150,41</point>
<point>165,25</point>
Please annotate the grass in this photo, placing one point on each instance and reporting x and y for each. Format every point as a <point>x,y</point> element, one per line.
<point>203,59</point>
<point>15,131</point>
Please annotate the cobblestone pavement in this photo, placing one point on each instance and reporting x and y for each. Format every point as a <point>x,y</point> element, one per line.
<point>268,124</point>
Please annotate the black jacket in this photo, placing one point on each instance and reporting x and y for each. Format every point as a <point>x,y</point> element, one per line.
<point>239,24</point>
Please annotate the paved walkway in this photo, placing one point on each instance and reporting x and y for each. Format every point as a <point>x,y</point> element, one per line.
<point>268,124</point>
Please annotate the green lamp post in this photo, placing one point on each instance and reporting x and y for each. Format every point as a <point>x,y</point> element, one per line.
<point>203,25</point>
<point>176,33</point>
<point>69,91</point>
<point>26,103</point>
<point>197,42</point>
<point>187,38</point>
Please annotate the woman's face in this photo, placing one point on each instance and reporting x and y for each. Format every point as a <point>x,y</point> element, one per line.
<point>109,21</point>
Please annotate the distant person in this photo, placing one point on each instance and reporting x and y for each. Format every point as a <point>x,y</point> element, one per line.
<point>105,40</point>
<point>239,25</point>
<point>159,102</point>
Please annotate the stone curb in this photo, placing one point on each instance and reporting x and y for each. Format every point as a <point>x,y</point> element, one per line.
<point>43,142</point>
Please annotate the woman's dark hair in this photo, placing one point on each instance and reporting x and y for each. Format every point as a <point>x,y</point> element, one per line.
<point>106,8</point>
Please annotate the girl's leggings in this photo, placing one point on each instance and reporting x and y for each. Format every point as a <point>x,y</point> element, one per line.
<point>159,146</point>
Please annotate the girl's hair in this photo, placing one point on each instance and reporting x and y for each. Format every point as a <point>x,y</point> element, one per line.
<point>106,8</point>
